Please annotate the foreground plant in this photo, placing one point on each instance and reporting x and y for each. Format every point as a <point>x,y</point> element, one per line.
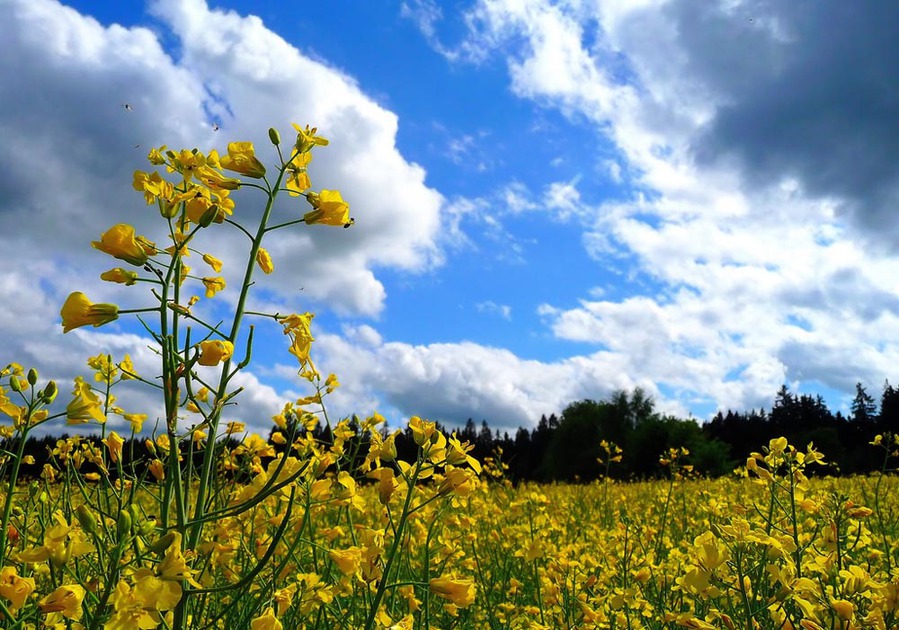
<point>196,532</point>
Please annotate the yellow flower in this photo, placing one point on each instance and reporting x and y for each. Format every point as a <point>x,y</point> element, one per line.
<point>157,469</point>
<point>241,159</point>
<point>136,420</point>
<point>235,427</point>
<point>267,621</point>
<point>461,592</point>
<point>264,261</point>
<point>459,481</point>
<point>14,588</point>
<point>152,185</point>
<point>79,311</point>
<point>306,138</point>
<point>298,328</point>
<point>114,443</point>
<point>66,600</point>
<point>174,564</point>
<point>156,592</point>
<point>120,242</point>
<point>213,285</point>
<point>85,405</point>
<point>214,352</point>
<point>843,608</point>
<point>127,367</point>
<point>329,209</point>
<point>122,276</point>
<point>298,179</point>
<point>347,560</point>
<point>213,262</point>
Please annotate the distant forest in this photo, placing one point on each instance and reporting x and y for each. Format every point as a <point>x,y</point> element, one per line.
<point>566,448</point>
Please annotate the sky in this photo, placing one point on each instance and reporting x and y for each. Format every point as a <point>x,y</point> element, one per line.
<point>553,200</point>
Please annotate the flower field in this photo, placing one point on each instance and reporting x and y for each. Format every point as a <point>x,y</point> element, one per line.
<point>430,547</point>
<point>331,525</point>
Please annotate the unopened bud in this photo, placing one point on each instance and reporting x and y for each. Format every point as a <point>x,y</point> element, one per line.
<point>49,393</point>
<point>32,376</point>
<point>166,208</point>
<point>123,527</point>
<point>274,136</point>
<point>209,216</point>
<point>15,384</point>
<point>86,519</point>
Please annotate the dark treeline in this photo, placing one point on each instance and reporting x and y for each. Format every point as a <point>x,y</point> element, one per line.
<point>566,448</point>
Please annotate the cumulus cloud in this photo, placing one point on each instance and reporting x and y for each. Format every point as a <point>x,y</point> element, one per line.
<point>759,157</point>
<point>86,101</point>
<point>457,381</point>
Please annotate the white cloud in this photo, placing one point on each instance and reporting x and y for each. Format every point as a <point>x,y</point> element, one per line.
<point>452,382</point>
<point>491,307</point>
<point>70,153</point>
<point>731,260</point>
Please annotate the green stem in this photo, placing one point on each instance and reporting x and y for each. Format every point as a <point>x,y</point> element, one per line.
<point>397,539</point>
<point>208,458</point>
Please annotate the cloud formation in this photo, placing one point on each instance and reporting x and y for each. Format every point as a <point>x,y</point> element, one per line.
<point>759,154</point>
<point>87,101</point>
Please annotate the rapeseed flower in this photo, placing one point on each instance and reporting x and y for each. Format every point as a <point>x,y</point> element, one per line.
<point>79,311</point>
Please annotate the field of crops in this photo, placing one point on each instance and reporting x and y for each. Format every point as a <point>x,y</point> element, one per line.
<point>329,525</point>
<point>431,544</point>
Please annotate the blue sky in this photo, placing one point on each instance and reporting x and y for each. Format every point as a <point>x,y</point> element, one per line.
<point>554,200</point>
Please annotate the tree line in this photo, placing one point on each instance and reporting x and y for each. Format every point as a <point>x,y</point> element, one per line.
<point>568,447</point>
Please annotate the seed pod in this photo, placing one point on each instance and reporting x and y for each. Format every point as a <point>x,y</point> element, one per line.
<point>163,543</point>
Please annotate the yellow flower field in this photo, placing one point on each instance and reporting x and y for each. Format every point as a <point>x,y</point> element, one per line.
<point>769,550</point>
<point>204,525</point>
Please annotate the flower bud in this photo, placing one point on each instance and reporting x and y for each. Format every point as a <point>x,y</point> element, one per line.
<point>15,384</point>
<point>123,527</point>
<point>32,376</point>
<point>274,136</point>
<point>86,519</point>
<point>209,216</point>
<point>49,393</point>
<point>167,209</point>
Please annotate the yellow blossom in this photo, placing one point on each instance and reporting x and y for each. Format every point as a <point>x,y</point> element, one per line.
<point>79,311</point>
<point>114,443</point>
<point>136,420</point>
<point>460,592</point>
<point>241,159</point>
<point>157,469</point>
<point>213,285</point>
<point>329,208</point>
<point>122,276</point>
<point>66,600</point>
<point>264,260</point>
<point>85,405</point>
<point>215,351</point>
<point>306,138</point>
<point>14,588</point>
<point>127,367</point>
<point>120,242</point>
<point>266,621</point>
<point>213,262</point>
